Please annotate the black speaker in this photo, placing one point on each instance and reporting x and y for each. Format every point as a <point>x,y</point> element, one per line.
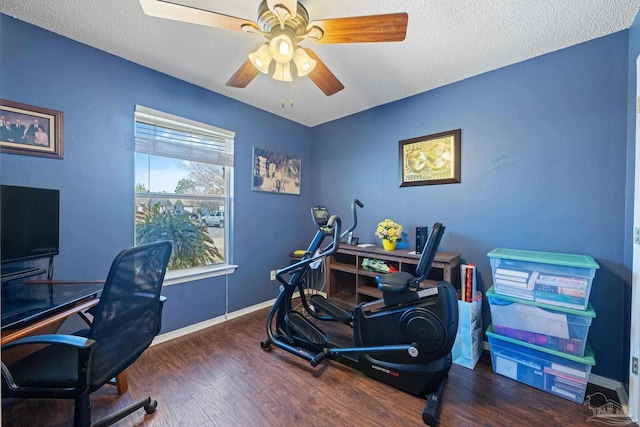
<point>421,238</point>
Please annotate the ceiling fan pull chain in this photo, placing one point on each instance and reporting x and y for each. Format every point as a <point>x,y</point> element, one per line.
<point>291,101</point>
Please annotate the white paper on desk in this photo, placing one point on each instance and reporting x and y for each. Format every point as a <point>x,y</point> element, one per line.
<point>529,318</point>
<point>365,245</point>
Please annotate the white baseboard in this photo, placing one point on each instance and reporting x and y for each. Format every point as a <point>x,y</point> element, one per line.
<point>208,323</point>
<point>614,385</point>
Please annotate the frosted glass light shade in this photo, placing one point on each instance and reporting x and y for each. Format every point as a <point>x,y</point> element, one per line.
<point>304,63</point>
<point>281,48</point>
<point>261,58</point>
<point>283,72</point>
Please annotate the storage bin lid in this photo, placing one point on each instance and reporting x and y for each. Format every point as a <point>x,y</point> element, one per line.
<point>571,260</point>
<point>589,312</point>
<point>587,359</point>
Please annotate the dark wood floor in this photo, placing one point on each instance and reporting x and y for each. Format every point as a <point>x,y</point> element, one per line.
<point>221,377</point>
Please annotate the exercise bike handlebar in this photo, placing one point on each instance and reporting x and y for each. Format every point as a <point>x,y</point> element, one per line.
<point>354,223</point>
<point>334,223</point>
<point>354,217</point>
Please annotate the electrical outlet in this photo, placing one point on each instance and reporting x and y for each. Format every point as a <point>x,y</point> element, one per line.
<point>273,275</point>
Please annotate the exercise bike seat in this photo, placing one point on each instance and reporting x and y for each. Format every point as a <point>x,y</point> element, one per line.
<point>398,281</point>
<point>397,287</point>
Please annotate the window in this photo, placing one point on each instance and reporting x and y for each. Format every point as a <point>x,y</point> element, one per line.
<point>183,182</point>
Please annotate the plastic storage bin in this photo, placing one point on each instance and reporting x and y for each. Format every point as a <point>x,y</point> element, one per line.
<point>556,328</point>
<point>562,280</point>
<point>554,372</point>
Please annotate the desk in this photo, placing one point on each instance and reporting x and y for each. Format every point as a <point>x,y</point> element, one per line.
<point>28,304</point>
<point>30,309</point>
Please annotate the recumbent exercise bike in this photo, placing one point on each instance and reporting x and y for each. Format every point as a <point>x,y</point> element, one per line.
<point>403,339</point>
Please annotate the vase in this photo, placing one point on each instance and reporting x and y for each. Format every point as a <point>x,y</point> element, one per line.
<point>388,245</point>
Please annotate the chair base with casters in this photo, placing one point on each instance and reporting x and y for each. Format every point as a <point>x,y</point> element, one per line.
<point>125,321</point>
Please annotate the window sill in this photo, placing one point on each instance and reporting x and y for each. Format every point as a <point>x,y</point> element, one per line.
<point>197,273</point>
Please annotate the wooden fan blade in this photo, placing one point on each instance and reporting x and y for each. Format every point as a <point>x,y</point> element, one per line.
<point>245,74</point>
<point>323,77</point>
<point>177,12</point>
<point>363,29</point>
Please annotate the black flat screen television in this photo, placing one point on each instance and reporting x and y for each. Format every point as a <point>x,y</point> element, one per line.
<point>29,223</point>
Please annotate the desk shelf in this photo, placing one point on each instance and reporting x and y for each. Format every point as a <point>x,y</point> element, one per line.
<point>15,270</point>
<point>21,274</point>
<point>351,284</point>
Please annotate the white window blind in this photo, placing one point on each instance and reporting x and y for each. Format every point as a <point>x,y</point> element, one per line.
<point>162,134</point>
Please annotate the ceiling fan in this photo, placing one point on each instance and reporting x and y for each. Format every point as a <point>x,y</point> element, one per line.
<point>285,23</point>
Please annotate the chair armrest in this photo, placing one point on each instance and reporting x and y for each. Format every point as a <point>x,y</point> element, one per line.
<point>162,300</point>
<point>85,347</point>
<point>59,339</point>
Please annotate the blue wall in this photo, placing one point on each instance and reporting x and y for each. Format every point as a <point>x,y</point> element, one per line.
<point>97,93</point>
<point>544,149</point>
<point>545,152</point>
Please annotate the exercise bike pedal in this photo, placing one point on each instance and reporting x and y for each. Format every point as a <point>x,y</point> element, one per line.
<point>306,329</point>
<point>338,313</point>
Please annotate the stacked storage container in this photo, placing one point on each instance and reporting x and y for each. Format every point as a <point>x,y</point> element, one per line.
<point>541,316</point>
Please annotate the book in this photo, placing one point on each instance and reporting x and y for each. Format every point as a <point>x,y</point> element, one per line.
<point>557,284</point>
<point>468,282</point>
<point>508,277</point>
<point>516,281</point>
<point>513,272</point>
<point>513,283</point>
<point>559,299</point>
<point>561,290</point>
<point>564,280</point>
<point>514,292</point>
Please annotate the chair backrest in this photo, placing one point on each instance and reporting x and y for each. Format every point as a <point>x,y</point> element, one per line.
<point>127,317</point>
<point>429,251</point>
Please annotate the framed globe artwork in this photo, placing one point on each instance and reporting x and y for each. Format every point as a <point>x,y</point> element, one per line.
<point>430,159</point>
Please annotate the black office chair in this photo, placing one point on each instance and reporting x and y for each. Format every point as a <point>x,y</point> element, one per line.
<point>125,321</point>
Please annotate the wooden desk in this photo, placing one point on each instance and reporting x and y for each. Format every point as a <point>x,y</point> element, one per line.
<point>54,321</point>
<point>54,315</point>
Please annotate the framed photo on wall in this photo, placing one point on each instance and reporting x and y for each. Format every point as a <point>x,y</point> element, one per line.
<point>29,130</point>
<point>275,172</point>
<point>430,159</point>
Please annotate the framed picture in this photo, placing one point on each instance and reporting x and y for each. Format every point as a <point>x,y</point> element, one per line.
<point>29,130</point>
<point>430,159</point>
<point>275,172</point>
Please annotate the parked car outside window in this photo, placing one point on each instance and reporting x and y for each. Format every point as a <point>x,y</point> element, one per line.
<point>215,219</point>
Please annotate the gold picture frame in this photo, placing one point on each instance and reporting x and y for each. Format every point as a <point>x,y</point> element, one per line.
<point>29,130</point>
<point>430,159</point>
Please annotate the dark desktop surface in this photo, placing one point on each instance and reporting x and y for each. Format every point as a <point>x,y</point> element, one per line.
<point>26,303</point>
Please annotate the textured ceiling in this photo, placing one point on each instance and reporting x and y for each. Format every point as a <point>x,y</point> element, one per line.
<point>447,41</point>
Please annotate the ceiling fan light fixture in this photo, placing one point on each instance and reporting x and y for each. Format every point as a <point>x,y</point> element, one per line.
<point>304,63</point>
<point>283,72</point>
<point>281,49</point>
<point>283,9</point>
<point>261,58</point>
